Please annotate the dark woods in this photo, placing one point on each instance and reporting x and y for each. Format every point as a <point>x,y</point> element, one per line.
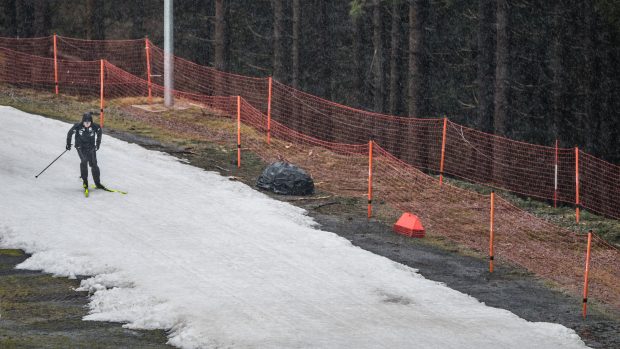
<point>529,70</point>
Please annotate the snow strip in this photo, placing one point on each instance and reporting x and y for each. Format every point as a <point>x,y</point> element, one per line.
<point>219,264</point>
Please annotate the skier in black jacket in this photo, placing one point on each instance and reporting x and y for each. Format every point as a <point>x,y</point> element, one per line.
<point>85,134</point>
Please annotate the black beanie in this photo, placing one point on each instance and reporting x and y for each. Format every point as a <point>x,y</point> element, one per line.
<point>88,116</point>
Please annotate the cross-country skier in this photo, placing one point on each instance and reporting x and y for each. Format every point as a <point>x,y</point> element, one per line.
<point>87,142</point>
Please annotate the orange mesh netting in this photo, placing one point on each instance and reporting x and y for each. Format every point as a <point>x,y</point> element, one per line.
<point>42,47</point>
<point>25,70</point>
<point>463,216</point>
<point>336,167</point>
<point>502,163</point>
<point>599,188</point>
<point>129,55</point>
<point>194,78</point>
<point>533,170</point>
<point>331,142</point>
<point>417,141</point>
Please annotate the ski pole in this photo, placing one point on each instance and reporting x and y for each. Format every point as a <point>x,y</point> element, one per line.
<point>63,153</point>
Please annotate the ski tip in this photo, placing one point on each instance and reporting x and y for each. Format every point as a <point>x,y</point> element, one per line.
<point>108,189</point>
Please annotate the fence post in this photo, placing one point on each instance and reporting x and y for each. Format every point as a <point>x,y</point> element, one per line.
<point>269,112</point>
<point>101,95</point>
<point>577,203</point>
<point>238,131</point>
<point>443,150</point>
<point>585,281</point>
<point>370,179</point>
<point>555,181</point>
<point>55,65</point>
<point>492,233</point>
<point>148,68</point>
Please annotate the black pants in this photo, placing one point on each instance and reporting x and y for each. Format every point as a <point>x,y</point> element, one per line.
<point>88,156</point>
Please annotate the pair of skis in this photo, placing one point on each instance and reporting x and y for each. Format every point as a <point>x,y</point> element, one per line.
<point>86,191</point>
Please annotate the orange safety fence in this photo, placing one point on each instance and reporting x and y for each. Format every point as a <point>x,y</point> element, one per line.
<point>519,237</point>
<point>417,141</point>
<point>129,55</point>
<point>599,185</point>
<point>339,160</point>
<point>25,70</point>
<point>337,168</point>
<point>503,163</point>
<point>499,162</point>
<point>42,46</point>
<point>121,84</point>
<point>194,78</point>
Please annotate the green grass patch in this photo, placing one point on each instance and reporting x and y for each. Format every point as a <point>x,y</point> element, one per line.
<point>42,311</point>
<point>563,216</point>
<point>11,252</point>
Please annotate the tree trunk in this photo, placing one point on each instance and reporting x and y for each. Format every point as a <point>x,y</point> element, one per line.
<point>220,36</point>
<point>485,61</point>
<point>589,123</point>
<point>485,81</point>
<point>23,18</point>
<point>278,70</point>
<point>417,84</point>
<point>556,66</point>
<point>416,39</point>
<point>295,48</point>
<point>326,56</point>
<point>377,61</point>
<point>95,30</point>
<point>41,18</point>
<point>325,50</point>
<point>394,98</point>
<point>10,27</point>
<point>358,62</point>
<point>137,13</point>
<point>500,120</point>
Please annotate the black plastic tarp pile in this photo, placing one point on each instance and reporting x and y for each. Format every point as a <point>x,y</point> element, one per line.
<point>284,178</point>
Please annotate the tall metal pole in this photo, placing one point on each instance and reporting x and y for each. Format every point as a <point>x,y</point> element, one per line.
<point>168,54</point>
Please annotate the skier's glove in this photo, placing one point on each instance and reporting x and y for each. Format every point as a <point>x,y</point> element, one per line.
<point>68,147</point>
<point>97,147</point>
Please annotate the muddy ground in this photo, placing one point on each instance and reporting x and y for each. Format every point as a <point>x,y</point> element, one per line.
<point>509,287</point>
<point>41,311</point>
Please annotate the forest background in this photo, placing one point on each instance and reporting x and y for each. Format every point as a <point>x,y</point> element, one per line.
<point>534,71</point>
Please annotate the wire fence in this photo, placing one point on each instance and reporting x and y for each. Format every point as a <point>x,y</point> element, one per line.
<point>563,175</point>
<point>331,141</point>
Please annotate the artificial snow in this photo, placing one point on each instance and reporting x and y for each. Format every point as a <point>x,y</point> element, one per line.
<point>219,264</point>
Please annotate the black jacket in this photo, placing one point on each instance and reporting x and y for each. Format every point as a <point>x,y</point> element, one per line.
<point>85,137</point>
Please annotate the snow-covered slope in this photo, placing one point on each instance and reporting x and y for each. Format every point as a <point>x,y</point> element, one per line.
<point>221,264</point>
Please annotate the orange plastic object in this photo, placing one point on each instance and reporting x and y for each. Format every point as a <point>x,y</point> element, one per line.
<point>409,225</point>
